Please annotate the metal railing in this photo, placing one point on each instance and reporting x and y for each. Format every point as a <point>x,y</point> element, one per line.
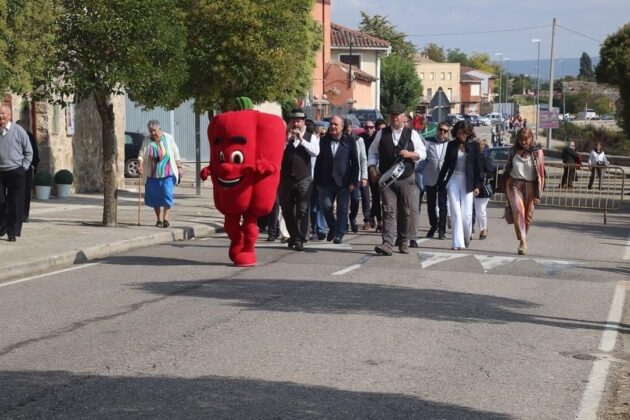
<point>569,186</point>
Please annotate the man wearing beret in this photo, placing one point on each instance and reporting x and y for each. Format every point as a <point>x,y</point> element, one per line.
<point>296,177</point>
<point>391,144</point>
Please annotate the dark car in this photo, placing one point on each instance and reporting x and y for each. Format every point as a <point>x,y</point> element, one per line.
<point>499,156</point>
<point>472,118</point>
<point>133,142</point>
<point>364,115</point>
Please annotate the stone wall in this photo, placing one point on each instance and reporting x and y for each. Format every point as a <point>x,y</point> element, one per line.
<point>70,138</point>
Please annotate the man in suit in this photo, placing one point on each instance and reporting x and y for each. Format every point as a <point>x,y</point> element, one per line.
<point>436,151</point>
<point>296,178</point>
<point>336,176</point>
<point>391,144</point>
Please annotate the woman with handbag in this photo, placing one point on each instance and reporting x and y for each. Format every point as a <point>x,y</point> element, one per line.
<point>485,193</point>
<point>461,176</point>
<point>525,171</point>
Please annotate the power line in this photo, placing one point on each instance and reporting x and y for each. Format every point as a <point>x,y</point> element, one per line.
<point>580,34</point>
<point>481,32</point>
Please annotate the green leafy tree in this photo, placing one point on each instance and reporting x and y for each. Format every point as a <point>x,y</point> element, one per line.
<point>399,83</point>
<point>457,56</point>
<point>263,50</point>
<point>614,67</point>
<point>27,41</point>
<point>586,68</point>
<point>481,61</point>
<point>106,48</point>
<point>380,27</point>
<point>434,52</point>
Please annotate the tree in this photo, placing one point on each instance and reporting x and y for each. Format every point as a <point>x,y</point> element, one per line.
<point>613,68</point>
<point>27,41</point>
<point>263,50</point>
<point>586,68</point>
<point>481,61</point>
<point>400,82</point>
<point>106,48</point>
<point>434,52</point>
<point>380,27</point>
<point>457,56</point>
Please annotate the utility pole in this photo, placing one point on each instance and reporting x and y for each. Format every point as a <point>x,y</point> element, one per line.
<point>551,75</point>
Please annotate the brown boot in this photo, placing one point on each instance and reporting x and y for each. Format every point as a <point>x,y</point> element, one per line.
<point>483,234</point>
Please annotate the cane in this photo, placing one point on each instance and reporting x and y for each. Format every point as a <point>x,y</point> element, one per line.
<point>139,197</point>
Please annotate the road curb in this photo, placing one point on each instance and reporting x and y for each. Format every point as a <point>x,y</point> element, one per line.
<point>68,259</point>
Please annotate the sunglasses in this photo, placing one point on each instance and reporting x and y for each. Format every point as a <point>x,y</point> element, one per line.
<point>369,127</point>
<point>443,130</point>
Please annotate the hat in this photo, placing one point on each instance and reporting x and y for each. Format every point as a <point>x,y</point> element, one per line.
<point>396,108</point>
<point>297,113</point>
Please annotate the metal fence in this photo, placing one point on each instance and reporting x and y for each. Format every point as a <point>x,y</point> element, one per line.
<point>569,185</point>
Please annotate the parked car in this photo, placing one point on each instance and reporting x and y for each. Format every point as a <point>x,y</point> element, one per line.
<point>364,115</point>
<point>453,118</point>
<point>133,142</point>
<point>495,117</point>
<point>484,121</point>
<point>357,127</point>
<point>472,118</point>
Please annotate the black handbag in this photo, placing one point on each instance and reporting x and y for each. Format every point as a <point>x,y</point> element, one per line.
<point>488,188</point>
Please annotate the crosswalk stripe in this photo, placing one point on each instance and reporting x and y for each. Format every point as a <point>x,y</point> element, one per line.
<point>490,262</point>
<point>553,267</point>
<point>428,259</point>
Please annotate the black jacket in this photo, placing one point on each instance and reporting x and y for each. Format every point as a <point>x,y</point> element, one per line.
<point>474,173</point>
<point>340,170</point>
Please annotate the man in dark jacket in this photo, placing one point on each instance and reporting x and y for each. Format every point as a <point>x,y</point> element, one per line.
<point>570,158</point>
<point>32,170</point>
<point>336,176</point>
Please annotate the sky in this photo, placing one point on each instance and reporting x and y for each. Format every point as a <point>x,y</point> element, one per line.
<point>494,26</point>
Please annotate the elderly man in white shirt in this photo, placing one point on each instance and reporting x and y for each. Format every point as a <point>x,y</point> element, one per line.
<point>392,144</point>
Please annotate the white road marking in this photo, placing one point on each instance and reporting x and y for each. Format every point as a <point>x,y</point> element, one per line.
<point>490,262</point>
<point>353,267</point>
<point>597,380</point>
<point>553,267</point>
<point>428,259</point>
<point>65,270</point>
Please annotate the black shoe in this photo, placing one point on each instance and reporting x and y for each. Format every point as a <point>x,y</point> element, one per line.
<point>330,236</point>
<point>26,220</point>
<point>383,249</point>
<point>158,223</point>
<point>11,238</point>
<point>271,238</point>
<point>291,243</point>
<point>3,231</point>
<point>337,240</point>
<point>321,236</point>
<point>165,224</point>
<point>441,236</point>
<point>299,246</point>
<point>398,242</point>
<point>413,244</point>
<point>431,232</point>
<point>353,225</point>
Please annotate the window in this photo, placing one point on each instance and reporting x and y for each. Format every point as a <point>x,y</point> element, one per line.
<point>449,76</point>
<point>449,94</point>
<point>422,76</point>
<point>442,76</point>
<point>475,90</point>
<point>431,76</point>
<point>429,94</point>
<point>354,60</point>
<point>54,124</point>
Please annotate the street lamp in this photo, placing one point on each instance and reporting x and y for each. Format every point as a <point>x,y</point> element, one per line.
<point>537,41</point>
<point>507,81</point>
<point>500,77</point>
<point>564,110</point>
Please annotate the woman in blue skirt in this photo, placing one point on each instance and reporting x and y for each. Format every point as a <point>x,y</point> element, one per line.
<point>160,166</point>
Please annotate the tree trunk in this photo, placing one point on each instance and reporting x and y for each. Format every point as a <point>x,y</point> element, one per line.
<point>110,159</point>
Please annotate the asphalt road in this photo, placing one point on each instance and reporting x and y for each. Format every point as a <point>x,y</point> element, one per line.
<point>174,331</point>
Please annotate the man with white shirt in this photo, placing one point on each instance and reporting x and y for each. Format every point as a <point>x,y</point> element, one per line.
<point>436,151</point>
<point>296,178</point>
<point>16,155</point>
<point>392,144</point>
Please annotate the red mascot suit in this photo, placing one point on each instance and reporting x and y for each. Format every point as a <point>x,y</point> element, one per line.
<point>246,150</point>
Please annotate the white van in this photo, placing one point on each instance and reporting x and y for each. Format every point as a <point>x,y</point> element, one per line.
<point>587,114</point>
<point>494,117</point>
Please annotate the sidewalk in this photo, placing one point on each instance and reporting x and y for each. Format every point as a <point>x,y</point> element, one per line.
<point>63,232</point>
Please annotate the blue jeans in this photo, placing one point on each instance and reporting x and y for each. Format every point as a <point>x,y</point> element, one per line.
<point>327,196</point>
<point>318,219</point>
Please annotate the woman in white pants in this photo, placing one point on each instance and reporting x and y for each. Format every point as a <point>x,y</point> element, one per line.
<point>461,176</point>
<point>481,200</point>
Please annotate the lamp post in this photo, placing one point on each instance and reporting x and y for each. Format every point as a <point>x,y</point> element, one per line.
<point>537,41</point>
<point>500,77</point>
<point>564,110</point>
<point>507,81</point>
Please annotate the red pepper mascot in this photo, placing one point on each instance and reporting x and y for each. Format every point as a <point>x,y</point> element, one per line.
<point>246,150</point>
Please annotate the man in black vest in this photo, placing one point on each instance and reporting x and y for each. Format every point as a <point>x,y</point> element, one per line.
<point>336,176</point>
<point>296,178</point>
<point>391,144</point>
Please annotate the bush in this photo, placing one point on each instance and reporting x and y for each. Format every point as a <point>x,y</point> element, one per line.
<point>64,176</point>
<point>615,143</point>
<point>43,178</point>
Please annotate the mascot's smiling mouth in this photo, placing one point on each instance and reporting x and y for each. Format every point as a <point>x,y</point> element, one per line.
<point>228,183</point>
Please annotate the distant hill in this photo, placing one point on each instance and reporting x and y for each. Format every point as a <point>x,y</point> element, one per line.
<point>571,67</point>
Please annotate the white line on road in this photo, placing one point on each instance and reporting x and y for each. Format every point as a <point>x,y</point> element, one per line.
<point>76,267</point>
<point>597,380</point>
<point>353,267</point>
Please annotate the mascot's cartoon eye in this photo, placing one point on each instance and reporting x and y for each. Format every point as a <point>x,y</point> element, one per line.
<point>237,157</point>
<point>221,156</point>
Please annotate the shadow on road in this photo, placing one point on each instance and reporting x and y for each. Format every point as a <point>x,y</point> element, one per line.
<point>326,297</point>
<point>67,395</point>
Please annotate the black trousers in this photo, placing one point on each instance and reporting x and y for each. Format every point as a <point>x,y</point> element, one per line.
<point>28,190</point>
<point>375,208</point>
<point>295,197</point>
<point>12,200</point>
<point>433,195</point>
